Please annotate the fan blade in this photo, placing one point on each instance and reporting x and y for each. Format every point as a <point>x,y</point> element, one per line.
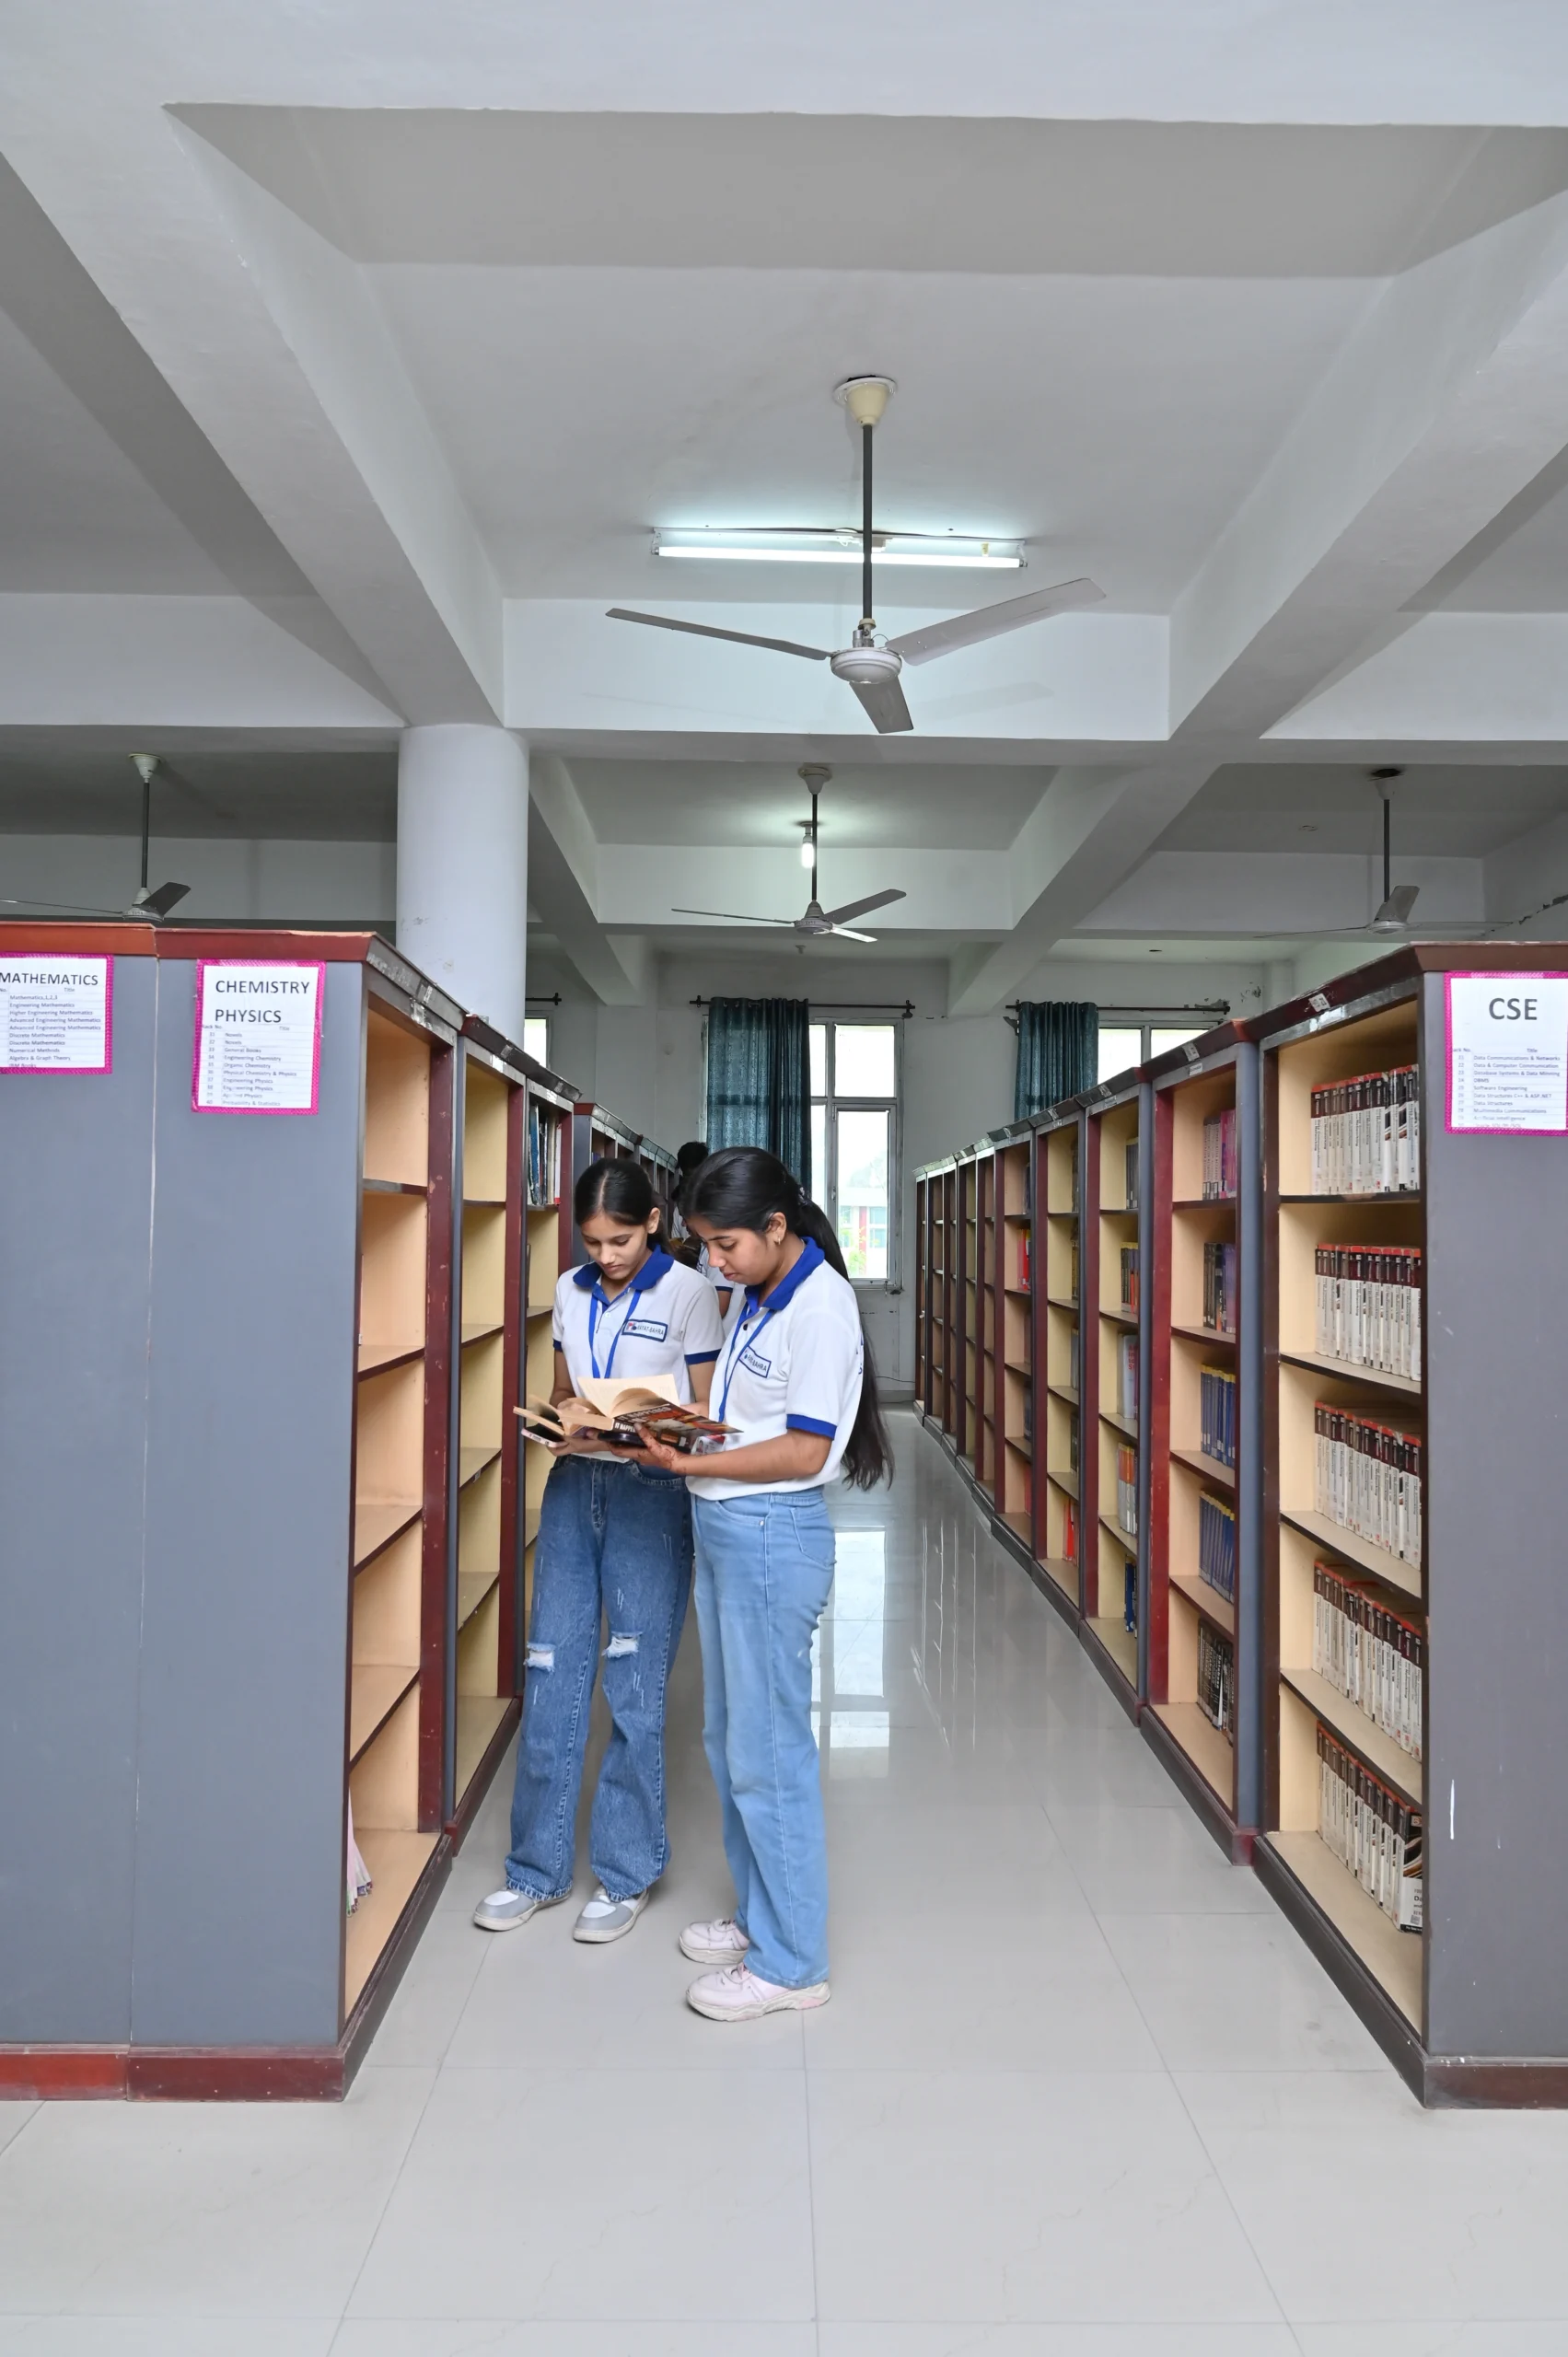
<point>731,916</point>
<point>706,630</point>
<point>847,933</point>
<point>882,701</point>
<point>991,622</point>
<point>862,908</point>
<point>1396,908</point>
<point>158,903</point>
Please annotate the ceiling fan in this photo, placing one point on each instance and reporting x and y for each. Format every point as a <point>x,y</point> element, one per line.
<point>818,921</point>
<point>156,901</point>
<point>872,669</point>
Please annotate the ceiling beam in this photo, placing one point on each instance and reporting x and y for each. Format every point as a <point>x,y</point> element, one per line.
<point>1090,828</point>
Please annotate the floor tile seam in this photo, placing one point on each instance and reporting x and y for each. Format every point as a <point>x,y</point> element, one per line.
<point>380,2218</point>
<point>1221,2181</point>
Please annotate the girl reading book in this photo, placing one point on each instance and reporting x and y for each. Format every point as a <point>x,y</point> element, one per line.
<point>614,1541</point>
<point>795,1378</point>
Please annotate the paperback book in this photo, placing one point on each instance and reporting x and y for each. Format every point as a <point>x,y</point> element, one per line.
<point>1369,1479</point>
<point>1216,1544</point>
<point>621,1415</point>
<point>1216,1679</point>
<point>1219,1157</point>
<point>1216,1414</point>
<point>1371,1830</point>
<point>1368,1300</point>
<point>1367,1134</point>
<point>1370,1654</point>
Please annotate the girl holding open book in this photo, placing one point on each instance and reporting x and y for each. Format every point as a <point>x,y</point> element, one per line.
<point>614,1541</point>
<point>795,1380</point>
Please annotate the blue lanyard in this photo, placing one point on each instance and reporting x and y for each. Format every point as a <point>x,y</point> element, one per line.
<point>739,1342</point>
<point>596,1303</point>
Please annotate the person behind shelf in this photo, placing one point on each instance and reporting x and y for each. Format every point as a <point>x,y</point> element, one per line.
<point>796,1380</point>
<point>614,1541</point>
<point>690,1157</point>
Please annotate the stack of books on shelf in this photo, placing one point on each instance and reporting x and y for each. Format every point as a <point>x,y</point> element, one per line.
<point>1130,1598</point>
<point>1073,1272</point>
<point>1216,1679</point>
<point>1369,1307</point>
<point>1069,1530</point>
<point>1130,1278</point>
<point>1025,1235</point>
<point>1216,1544</point>
<point>1127,1377</point>
<point>1216,1414</point>
<point>1071,1444</point>
<point>1074,1360</point>
<point>1219,1157</point>
<point>1370,1829</point>
<point>1219,1288</point>
<point>544,1157</point>
<point>1127,1490</point>
<point>1130,1167</point>
<point>1367,1134</point>
<point>1369,1479</point>
<point>1370,1655</point>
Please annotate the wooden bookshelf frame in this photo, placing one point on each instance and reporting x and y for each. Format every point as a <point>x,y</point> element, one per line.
<point>1063,1491</point>
<point>1210,1076</point>
<point>1115,1115</point>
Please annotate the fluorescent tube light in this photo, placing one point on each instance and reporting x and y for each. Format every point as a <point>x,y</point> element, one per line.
<point>953,551</point>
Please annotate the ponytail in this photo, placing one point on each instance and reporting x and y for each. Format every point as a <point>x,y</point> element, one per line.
<point>741,1186</point>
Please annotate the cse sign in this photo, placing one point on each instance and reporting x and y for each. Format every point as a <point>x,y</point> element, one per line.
<point>1508,1054</point>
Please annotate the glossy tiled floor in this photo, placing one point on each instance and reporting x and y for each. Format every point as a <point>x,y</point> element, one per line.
<point>1080,2091</point>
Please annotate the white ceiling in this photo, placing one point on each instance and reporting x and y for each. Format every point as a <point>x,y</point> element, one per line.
<point>932,807</point>
<point>1438,810</point>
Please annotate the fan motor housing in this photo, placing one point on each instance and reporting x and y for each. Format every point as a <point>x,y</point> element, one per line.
<point>866,666</point>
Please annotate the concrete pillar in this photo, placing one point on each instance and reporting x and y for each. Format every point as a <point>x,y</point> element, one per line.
<point>463,865</point>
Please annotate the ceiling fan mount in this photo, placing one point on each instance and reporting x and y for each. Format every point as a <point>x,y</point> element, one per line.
<point>870,669</point>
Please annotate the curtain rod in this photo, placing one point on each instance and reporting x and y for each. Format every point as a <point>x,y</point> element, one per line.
<point>538,998</point>
<point>846,1006</point>
<point>1213,1006</point>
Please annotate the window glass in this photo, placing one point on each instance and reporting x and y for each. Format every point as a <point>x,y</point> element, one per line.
<point>1160,1040</point>
<point>819,1032</point>
<point>863,1193</point>
<point>536,1038</point>
<point>1120,1049</point>
<point>863,1060</point>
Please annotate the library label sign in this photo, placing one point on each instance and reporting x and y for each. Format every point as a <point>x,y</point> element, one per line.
<point>1508,1054</point>
<point>56,1014</point>
<point>258,1037</point>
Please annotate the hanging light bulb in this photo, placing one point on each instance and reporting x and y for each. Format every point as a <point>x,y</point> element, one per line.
<point>808,845</point>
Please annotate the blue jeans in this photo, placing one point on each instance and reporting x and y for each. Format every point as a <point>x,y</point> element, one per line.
<point>613,1539</point>
<point>764,1569</point>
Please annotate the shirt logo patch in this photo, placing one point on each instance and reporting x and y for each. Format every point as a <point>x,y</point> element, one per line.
<point>750,1356</point>
<point>648,1329</point>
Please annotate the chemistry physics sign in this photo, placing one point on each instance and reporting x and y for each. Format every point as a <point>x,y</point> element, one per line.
<point>258,1036</point>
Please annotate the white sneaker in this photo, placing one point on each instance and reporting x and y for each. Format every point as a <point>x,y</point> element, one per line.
<point>606,1918</point>
<point>505,1909</point>
<point>739,1995</point>
<point>721,1943</point>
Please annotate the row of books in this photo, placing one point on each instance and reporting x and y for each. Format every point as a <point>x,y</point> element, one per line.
<point>1127,1377</point>
<point>1026,1236</point>
<point>1069,1529</point>
<point>1219,1157</point>
<point>1130,1278</point>
<point>1127,1489</point>
<point>1368,1477</point>
<point>1216,1544</point>
<point>1216,1679</point>
<point>1370,1655</point>
<point>1367,1134</point>
<point>1130,1166</point>
<point>1130,1598</point>
<point>1076,1360</point>
<point>1072,1442</point>
<point>1216,1414</point>
<point>1219,1288</point>
<point>1371,1830</point>
<point>545,1131</point>
<point>1369,1305</point>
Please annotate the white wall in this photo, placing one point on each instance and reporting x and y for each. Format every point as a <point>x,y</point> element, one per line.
<point>291,883</point>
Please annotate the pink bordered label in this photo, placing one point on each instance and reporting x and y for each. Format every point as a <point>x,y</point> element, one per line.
<point>1507,1055</point>
<point>258,1046</point>
<point>56,1014</point>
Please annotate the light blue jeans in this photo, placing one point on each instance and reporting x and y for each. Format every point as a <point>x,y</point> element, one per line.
<point>613,1539</point>
<point>765,1570</point>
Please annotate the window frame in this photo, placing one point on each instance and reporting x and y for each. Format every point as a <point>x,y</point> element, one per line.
<point>1145,1024</point>
<point>825,1184</point>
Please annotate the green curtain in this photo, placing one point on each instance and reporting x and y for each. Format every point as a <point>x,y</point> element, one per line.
<point>1058,1052</point>
<point>759,1078</point>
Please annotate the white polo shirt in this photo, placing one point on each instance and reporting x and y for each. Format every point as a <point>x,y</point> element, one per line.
<point>666,1321</point>
<point>792,1363</point>
<point>735,1295</point>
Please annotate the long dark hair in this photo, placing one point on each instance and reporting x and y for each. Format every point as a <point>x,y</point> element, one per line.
<point>743,1186</point>
<point>622,1189</point>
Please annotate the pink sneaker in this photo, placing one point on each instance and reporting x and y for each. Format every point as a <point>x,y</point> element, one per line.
<point>720,1943</point>
<point>741,1995</point>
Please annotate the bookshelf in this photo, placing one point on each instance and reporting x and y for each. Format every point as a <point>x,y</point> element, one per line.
<point>969,1423</point>
<point>1473,2007</point>
<point>987,1308</point>
<point>1203,1646</point>
<point>1054,1332</point>
<point>1113,1312</point>
<point>923,1292</point>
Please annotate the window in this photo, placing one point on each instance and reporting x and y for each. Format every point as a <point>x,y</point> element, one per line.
<point>536,1038</point>
<point>855,1090</point>
<point>1128,1042</point>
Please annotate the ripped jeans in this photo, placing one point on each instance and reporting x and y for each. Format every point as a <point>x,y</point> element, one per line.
<point>764,1569</point>
<point>614,1541</point>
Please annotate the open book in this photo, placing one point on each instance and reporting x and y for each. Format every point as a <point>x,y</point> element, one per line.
<point>621,1413</point>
